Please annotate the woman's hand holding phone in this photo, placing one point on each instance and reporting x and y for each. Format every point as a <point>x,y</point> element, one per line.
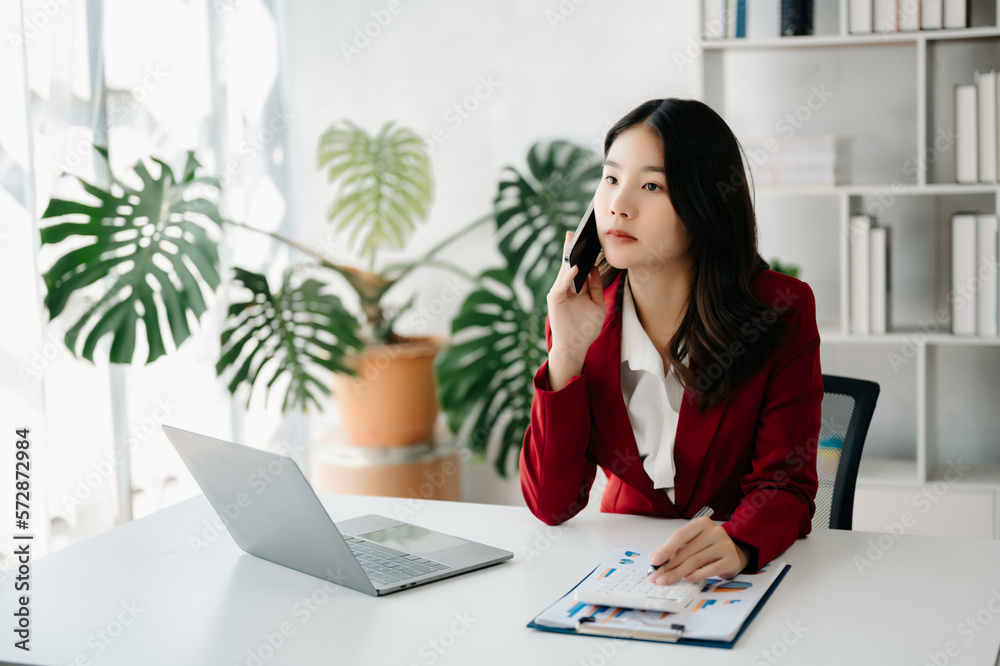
<point>575,319</point>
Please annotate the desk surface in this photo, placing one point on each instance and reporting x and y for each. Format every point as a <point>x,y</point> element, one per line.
<point>168,589</point>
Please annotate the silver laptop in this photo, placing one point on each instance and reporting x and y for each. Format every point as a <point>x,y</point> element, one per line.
<point>273,513</point>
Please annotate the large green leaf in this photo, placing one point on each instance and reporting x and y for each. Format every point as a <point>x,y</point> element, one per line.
<point>295,331</point>
<point>154,242</point>
<point>534,210</point>
<point>385,184</point>
<point>485,375</point>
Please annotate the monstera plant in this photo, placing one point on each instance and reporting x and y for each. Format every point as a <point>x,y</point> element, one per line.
<point>146,255</point>
<point>498,337</point>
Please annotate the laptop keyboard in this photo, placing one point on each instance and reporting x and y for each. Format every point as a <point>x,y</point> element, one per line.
<point>386,566</point>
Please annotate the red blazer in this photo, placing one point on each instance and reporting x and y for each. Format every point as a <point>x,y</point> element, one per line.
<point>751,457</point>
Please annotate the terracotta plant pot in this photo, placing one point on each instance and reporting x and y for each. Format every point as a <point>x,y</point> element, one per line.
<point>393,401</point>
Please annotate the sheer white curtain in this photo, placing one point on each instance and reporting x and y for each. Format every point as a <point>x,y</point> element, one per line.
<point>143,79</point>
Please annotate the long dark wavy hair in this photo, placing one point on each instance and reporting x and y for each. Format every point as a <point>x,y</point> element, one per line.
<point>708,187</point>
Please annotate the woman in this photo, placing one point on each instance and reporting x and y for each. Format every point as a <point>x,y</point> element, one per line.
<point>686,369</point>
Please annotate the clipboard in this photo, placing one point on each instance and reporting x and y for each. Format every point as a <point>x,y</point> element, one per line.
<point>598,629</point>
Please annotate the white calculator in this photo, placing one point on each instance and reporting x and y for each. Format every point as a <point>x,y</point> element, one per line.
<point>629,587</point>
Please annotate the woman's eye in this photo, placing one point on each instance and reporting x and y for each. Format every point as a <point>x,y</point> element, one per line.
<point>652,187</point>
<point>611,180</point>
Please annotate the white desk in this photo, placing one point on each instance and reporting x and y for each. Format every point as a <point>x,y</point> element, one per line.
<point>146,591</point>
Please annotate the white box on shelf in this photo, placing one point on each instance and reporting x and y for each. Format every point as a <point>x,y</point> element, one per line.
<point>986,246</point>
<point>966,140</point>
<point>963,274</point>
<point>860,265</point>
<point>880,280</point>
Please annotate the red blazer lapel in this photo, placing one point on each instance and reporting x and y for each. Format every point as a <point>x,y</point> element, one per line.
<point>621,453</point>
<point>695,431</point>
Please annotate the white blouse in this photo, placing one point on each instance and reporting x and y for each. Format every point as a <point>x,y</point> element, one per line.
<point>652,399</point>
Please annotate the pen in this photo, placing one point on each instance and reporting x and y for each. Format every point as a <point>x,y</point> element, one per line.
<point>703,511</point>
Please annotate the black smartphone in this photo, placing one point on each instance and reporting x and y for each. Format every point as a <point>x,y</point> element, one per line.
<point>584,248</point>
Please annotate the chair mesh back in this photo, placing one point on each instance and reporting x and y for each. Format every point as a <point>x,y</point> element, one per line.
<point>836,419</point>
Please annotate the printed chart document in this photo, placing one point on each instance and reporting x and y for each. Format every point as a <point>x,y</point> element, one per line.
<point>715,617</point>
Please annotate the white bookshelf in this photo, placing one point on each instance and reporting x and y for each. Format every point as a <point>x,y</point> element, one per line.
<point>892,93</point>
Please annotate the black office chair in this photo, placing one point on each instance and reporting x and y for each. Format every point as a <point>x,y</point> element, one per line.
<point>848,405</point>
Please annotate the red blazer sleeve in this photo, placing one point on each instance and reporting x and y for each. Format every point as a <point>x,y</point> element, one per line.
<point>780,488</point>
<point>556,470</point>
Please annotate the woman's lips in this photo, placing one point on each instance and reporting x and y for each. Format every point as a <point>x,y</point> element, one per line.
<point>620,237</point>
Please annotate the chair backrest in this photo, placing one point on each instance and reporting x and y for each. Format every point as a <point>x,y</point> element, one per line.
<point>848,405</point>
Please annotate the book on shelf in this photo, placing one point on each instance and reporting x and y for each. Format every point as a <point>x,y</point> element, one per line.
<point>884,16</point>
<point>714,18</point>
<point>909,15</point>
<point>956,13</point>
<point>931,14</point>
<point>859,230</point>
<point>796,17</point>
<point>869,276</point>
<point>880,280</point>
<point>764,19</point>
<point>966,140</point>
<point>963,297</point>
<point>986,125</point>
<point>986,264</point>
<point>724,19</point>
<point>859,16</point>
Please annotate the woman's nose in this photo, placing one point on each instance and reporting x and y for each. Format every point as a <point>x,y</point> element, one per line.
<point>620,206</point>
